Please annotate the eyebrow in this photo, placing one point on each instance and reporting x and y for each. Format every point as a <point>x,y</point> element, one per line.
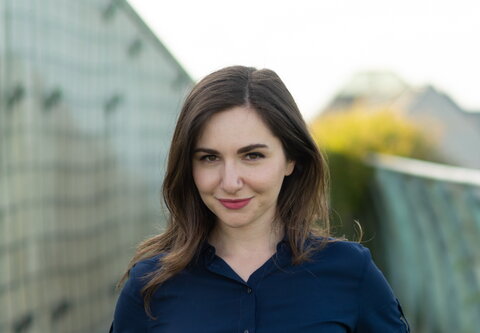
<point>239,151</point>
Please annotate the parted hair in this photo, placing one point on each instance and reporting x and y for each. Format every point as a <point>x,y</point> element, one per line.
<point>302,206</point>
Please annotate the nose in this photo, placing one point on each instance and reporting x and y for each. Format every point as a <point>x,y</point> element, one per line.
<point>231,178</point>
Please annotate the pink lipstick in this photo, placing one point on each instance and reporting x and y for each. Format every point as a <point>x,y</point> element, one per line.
<point>234,203</point>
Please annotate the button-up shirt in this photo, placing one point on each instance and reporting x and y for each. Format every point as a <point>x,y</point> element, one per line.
<point>339,290</point>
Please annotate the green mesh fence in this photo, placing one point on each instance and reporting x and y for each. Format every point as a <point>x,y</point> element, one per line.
<point>88,101</point>
<point>430,229</point>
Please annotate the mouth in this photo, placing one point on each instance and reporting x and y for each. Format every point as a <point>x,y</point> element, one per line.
<point>234,203</point>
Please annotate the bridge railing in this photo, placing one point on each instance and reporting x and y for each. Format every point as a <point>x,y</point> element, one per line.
<point>430,227</point>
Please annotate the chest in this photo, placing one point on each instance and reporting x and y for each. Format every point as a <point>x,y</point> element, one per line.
<point>276,302</point>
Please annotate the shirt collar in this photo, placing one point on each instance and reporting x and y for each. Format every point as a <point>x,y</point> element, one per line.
<point>283,253</point>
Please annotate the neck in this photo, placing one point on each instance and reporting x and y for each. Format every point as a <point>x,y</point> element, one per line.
<point>245,242</point>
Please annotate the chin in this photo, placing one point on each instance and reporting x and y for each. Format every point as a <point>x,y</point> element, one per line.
<point>232,222</point>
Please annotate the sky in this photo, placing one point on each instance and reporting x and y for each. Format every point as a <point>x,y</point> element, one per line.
<point>316,46</point>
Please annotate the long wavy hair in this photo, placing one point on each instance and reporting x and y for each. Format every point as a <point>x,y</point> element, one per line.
<point>302,206</point>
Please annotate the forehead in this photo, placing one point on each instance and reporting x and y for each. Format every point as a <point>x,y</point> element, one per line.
<point>239,125</point>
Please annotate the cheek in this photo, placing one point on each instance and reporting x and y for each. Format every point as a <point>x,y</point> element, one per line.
<point>267,179</point>
<point>204,180</point>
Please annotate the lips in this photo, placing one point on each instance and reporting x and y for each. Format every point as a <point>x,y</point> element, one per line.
<point>234,203</point>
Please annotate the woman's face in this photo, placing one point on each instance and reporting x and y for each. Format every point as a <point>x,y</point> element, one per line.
<point>239,167</point>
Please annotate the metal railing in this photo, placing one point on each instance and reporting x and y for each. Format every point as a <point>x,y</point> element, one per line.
<point>430,229</point>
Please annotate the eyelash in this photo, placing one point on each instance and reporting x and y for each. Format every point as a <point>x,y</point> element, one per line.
<point>249,157</point>
<point>206,158</point>
<point>257,156</point>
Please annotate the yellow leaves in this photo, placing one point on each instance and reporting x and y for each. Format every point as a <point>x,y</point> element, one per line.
<point>348,136</point>
<point>358,131</point>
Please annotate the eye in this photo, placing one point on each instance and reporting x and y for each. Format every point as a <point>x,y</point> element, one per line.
<point>209,158</point>
<point>254,156</point>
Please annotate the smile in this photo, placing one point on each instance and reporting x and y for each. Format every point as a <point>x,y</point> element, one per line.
<point>234,204</point>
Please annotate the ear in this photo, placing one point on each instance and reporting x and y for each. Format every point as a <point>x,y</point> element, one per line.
<point>290,167</point>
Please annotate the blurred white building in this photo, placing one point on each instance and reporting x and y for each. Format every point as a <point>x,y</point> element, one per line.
<point>456,131</point>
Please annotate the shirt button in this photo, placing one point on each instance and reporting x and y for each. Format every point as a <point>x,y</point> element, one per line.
<point>246,331</point>
<point>249,290</point>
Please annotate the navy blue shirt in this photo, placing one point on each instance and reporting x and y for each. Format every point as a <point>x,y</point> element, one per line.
<point>340,290</point>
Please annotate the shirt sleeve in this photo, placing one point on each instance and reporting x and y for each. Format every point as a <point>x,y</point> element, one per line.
<point>130,315</point>
<point>379,309</point>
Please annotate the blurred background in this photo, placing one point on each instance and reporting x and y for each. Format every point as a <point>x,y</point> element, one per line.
<point>90,91</point>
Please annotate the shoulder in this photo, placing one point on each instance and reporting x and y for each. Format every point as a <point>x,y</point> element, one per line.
<point>342,247</point>
<point>145,266</point>
<point>138,275</point>
<point>342,263</point>
<point>130,315</point>
<point>352,258</point>
<point>346,263</point>
<point>343,254</point>
<point>378,307</point>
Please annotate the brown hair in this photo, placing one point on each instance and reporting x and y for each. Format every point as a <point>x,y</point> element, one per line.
<point>302,206</point>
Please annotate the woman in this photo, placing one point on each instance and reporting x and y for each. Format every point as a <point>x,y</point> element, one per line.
<point>247,246</point>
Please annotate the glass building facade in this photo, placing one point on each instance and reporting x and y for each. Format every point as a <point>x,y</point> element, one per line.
<point>88,102</point>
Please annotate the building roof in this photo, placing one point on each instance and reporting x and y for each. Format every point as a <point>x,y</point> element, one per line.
<point>434,111</point>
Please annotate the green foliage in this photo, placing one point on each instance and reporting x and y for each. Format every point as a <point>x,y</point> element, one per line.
<point>348,137</point>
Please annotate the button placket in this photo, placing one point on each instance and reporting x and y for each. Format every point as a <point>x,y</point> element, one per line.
<point>248,312</point>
